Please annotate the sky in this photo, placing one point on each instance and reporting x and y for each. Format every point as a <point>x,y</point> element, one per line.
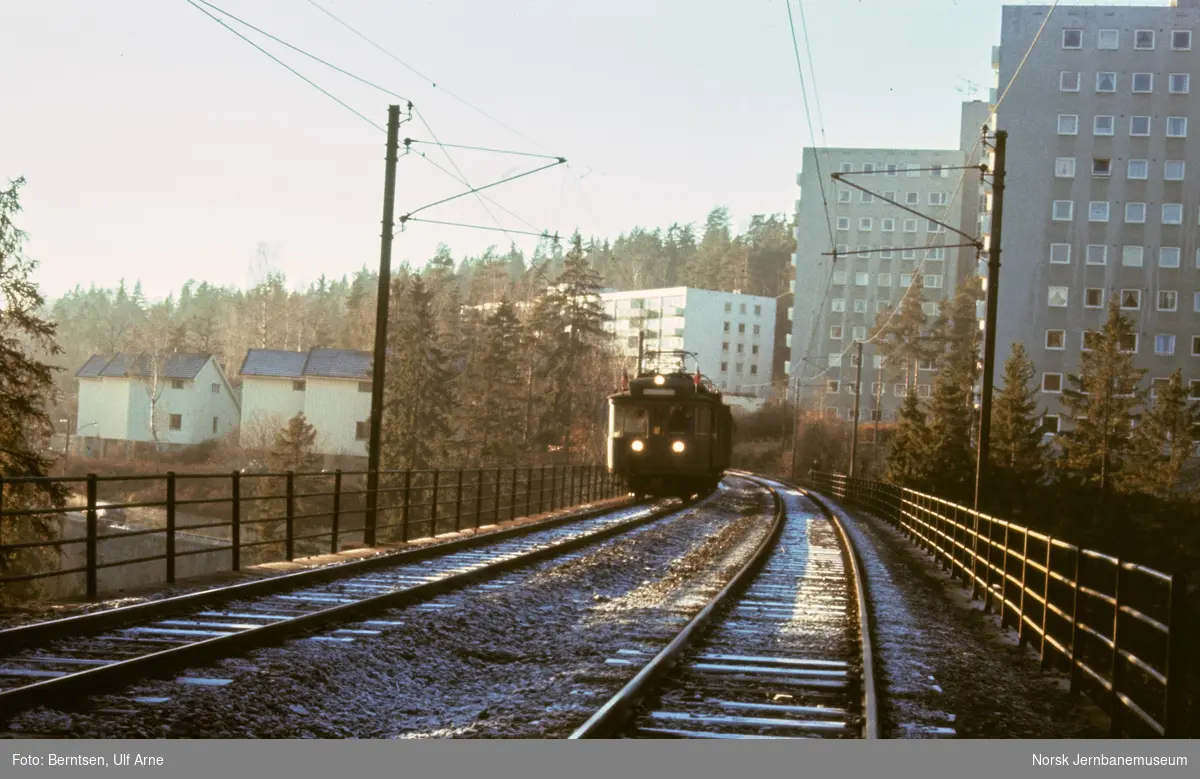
<point>159,146</point>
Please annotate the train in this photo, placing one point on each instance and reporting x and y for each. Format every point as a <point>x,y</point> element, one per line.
<point>669,431</point>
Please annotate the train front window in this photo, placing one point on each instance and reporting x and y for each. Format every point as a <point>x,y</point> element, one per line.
<point>631,421</point>
<point>679,421</point>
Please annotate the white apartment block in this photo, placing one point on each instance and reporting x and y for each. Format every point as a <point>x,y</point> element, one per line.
<point>879,248</point>
<point>731,334</point>
<point>1102,186</point>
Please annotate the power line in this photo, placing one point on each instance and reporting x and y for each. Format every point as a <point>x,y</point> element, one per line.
<point>542,234</point>
<point>808,117</point>
<point>436,142</point>
<point>475,190</point>
<point>285,65</point>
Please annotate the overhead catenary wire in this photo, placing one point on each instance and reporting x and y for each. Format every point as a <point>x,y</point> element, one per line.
<point>295,72</point>
<point>808,117</point>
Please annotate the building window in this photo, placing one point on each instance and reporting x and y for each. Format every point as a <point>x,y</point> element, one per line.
<point>1143,40</point>
<point>1168,256</point>
<point>910,225</point>
<point>1172,213</point>
<point>1137,169</point>
<point>362,431</point>
<point>912,198</point>
<point>728,308</point>
<point>845,196</point>
<point>1196,345</point>
<point>741,327</point>
<point>1057,297</point>
<point>177,384</point>
<point>1098,211</point>
<point>365,386</point>
<point>738,368</point>
<point>741,348</point>
<point>1103,125</point>
<point>845,167</point>
<point>1164,343</point>
<point>1194,389</point>
<point>216,388</point>
<point>1139,125</point>
<point>1135,213</point>
<point>1128,343</point>
<point>758,310</point>
<point>906,280</point>
<point>1050,424</point>
<point>939,198</point>
<point>1056,339</point>
<point>1051,382</point>
<point>1093,297</point>
<point>864,223</point>
<point>1072,39</point>
<point>832,386</point>
<point>1131,256</point>
<point>1068,124</point>
<point>754,349</point>
<point>753,370</point>
<point>1060,254</point>
<point>1176,126</point>
<point>1064,167</point>
<point>1180,83</point>
<point>1168,299</point>
<point>1143,82</point>
<point>1109,39</point>
<point>1106,82</point>
<point>1131,299</point>
<point>843,223</point>
<point>933,281</point>
<point>887,225</point>
<point>862,279</point>
<point>724,346</point>
<point>298,386</point>
<point>176,422</point>
<point>860,306</point>
<point>1063,210</point>
<point>891,169</point>
<point>1173,170</point>
<point>930,308</point>
<point>837,303</point>
<point>936,253</point>
<point>1068,81</point>
<point>1097,254</point>
<point>859,333</point>
<point>726,328</point>
<point>911,254</point>
<point>1091,339</point>
<point>755,330</point>
<point>933,227</point>
<point>215,425</point>
<point>884,279</point>
<point>868,168</point>
<point>937,171</point>
<point>1101,167</point>
<point>885,252</point>
<point>866,197</point>
<point>839,278</point>
<point>1181,40</point>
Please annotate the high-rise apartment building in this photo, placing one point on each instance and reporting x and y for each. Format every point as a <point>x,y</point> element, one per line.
<point>879,247</point>
<point>1103,186</point>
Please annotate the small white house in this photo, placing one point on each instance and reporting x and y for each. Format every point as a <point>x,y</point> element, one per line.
<point>177,400</point>
<point>332,387</point>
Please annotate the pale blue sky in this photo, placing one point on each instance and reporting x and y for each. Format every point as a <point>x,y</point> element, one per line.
<point>157,145</point>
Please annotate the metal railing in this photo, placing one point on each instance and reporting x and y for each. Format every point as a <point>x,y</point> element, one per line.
<point>1118,628</point>
<point>165,520</point>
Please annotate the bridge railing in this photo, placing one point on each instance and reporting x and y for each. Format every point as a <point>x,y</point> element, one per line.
<point>121,531</point>
<point>1118,628</point>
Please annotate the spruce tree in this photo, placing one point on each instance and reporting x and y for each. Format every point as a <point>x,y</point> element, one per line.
<point>908,449</point>
<point>900,339</point>
<point>1162,442</point>
<point>951,463</point>
<point>1101,401</point>
<point>494,413</point>
<point>1016,452</point>
<point>293,447</point>
<point>26,390</point>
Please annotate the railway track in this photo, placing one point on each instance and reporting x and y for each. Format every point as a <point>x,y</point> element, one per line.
<point>782,651</point>
<point>64,661</point>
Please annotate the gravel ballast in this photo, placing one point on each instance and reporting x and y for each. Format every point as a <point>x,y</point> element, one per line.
<point>944,668</point>
<point>520,656</point>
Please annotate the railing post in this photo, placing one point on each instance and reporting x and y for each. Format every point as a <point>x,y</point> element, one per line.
<point>528,489</point>
<point>433,503</point>
<point>1004,579</point>
<point>1021,602</point>
<point>290,543</point>
<point>335,533</point>
<point>370,518</point>
<point>987,566</point>
<point>1046,601</point>
<point>478,497</point>
<point>976,524</point>
<point>496,502</point>
<point>171,527</point>
<point>512,498</point>
<point>235,520</point>
<point>458,503</point>
<point>91,536</point>
<point>407,503</point>
<point>1117,670</point>
<point>1176,671</point>
<point>1076,615</point>
<point>542,490</point>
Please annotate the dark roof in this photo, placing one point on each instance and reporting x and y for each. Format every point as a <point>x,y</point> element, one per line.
<point>323,363</point>
<point>273,362</point>
<point>124,365</point>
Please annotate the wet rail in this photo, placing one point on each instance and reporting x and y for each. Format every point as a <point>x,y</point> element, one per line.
<point>64,660</point>
<point>782,651</point>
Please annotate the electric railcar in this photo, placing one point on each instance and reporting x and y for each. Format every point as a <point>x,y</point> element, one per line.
<point>669,431</point>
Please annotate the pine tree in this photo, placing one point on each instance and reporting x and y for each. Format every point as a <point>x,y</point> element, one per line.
<point>493,413</point>
<point>26,388</point>
<point>1162,442</point>
<point>902,344</point>
<point>293,448</point>
<point>1102,399</point>
<point>908,449</point>
<point>1016,452</point>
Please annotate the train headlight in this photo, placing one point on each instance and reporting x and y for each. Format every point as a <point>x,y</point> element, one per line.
<point>678,447</point>
<point>637,446</point>
<point>659,380</point>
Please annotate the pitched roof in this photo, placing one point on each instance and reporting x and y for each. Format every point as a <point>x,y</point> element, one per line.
<point>125,365</point>
<point>323,363</point>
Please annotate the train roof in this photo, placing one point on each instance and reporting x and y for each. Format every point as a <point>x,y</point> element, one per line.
<point>675,384</point>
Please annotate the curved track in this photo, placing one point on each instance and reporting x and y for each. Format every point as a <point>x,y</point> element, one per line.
<point>69,659</point>
<point>783,651</point>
